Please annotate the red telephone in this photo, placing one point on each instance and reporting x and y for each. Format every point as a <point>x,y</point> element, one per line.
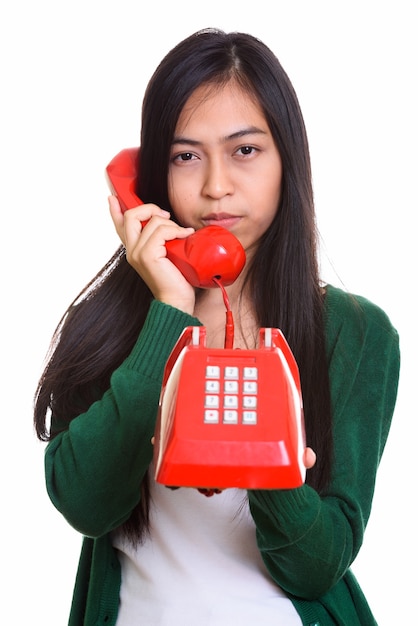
<point>211,252</point>
<point>239,421</point>
<point>226,417</point>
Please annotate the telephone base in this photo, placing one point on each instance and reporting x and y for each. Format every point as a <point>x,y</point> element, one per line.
<point>230,418</point>
<point>251,465</point>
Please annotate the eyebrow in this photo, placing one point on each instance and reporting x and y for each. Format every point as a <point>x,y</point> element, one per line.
<point>251,130</point>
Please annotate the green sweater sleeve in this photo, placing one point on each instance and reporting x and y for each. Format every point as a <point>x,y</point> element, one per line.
<point>95,468</point>
<point>309,541</point>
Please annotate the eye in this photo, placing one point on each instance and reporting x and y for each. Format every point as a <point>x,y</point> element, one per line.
<point>184,156</point>
<point>246,150</point>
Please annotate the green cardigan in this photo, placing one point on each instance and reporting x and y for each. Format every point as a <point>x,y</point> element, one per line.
<point>308,542</point>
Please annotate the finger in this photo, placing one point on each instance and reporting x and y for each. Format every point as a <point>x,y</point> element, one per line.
<point>145,212</point>
<point>136,219</point>
<point>309,458</point>
<point>117,216</point>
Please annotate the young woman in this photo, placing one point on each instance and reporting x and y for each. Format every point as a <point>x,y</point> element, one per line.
<point>223,142</point>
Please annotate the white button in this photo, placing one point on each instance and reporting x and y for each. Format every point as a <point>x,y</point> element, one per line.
<point>230,417</point>
<point>231,386</point>
<point>213,371</point>
<point>211,416</point>
<point>250,387</point>
<point>212,386</point>
<point>212,402</point>
<point>249,417</point>
<point>250,372</point>
<point>231,372</point>
<point>249,402</point>
<point>231,402</point>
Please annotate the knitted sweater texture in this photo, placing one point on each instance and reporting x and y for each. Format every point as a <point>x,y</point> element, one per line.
<point>308,542</point>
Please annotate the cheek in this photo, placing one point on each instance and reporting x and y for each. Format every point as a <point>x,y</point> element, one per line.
<point>181,205</point>
<point>172,190</point>
<point>271,187</point>
<point>179,195</point>
<point>272,204</point>
<point>266,222</point>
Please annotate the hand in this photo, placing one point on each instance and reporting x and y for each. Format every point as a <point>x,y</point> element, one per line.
<point>146,251</point>
<point>309,458</point>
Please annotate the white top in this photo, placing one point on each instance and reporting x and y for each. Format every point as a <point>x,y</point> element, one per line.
<point>199,565</point>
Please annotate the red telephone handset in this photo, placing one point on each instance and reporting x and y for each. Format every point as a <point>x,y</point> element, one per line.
<point>210,253</point>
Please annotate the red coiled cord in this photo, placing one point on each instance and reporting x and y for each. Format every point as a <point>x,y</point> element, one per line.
<point>229,326</point>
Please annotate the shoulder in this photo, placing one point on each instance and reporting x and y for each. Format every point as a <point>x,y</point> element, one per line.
<point>354,312</point>
<point>356,328</point>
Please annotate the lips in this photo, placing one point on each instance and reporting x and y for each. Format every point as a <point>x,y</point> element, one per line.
<point>221,219</point>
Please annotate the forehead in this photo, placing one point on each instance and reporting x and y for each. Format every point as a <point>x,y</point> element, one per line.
<point>217,104</point>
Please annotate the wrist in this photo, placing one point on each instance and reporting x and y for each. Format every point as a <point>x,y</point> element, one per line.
<point>186,305</point>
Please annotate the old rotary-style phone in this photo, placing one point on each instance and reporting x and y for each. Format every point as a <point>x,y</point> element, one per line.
<point>227,417</point>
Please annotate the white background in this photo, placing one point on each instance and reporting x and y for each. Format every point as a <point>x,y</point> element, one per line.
<point>72,80</point>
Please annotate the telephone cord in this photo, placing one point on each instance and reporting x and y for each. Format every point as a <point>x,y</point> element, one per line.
<point>229,326</point>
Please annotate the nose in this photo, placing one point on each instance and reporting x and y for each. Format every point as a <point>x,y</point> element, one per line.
<point>218,179</point>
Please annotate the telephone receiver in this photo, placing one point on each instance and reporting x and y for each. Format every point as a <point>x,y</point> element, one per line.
<point>210,253</point>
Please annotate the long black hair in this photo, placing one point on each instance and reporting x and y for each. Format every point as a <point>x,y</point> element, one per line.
<point>98,330</point>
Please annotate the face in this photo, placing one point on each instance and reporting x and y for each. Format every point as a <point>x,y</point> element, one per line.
<point>225,168</point>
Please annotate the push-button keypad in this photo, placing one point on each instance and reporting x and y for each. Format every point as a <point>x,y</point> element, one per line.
<point>231,395</point>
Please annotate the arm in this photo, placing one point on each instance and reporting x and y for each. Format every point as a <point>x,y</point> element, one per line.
<point>95,468</point>
<point>309,541</point>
